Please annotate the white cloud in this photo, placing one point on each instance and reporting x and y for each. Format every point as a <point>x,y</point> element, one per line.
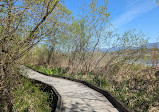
<point>131,3</point>
<point>134,10</point>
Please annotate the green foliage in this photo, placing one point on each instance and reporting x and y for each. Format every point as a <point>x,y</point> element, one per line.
<point>29,97</point>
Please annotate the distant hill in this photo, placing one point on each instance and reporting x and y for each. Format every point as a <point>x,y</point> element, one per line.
<point>148,46</point>
<point>151,45</point>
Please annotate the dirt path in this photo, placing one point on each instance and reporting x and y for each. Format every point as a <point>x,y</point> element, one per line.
<point>76,97</point>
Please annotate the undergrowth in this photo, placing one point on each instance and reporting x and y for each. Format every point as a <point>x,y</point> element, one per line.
<point>28,97</point>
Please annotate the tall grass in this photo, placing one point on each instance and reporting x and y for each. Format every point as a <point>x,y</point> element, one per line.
<point>29,98</point>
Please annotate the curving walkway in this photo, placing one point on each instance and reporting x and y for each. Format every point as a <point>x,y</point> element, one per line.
<point>76,97</point>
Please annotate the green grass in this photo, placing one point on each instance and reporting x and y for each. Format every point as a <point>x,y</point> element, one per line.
<point>93,79</point>
<point>29,98</point>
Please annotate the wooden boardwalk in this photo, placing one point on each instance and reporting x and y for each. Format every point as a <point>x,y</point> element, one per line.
<point>76,97</point>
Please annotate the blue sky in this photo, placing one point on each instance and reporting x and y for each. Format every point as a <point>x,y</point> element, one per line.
<point>128,14</point>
